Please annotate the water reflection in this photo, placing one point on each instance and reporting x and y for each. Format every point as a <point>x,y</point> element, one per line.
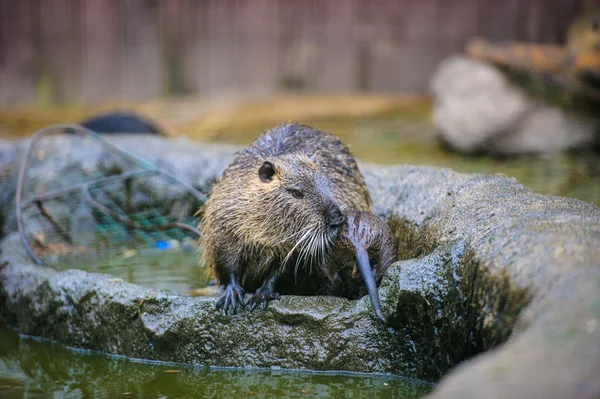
<point>32,368</point>
<point>167,270</point>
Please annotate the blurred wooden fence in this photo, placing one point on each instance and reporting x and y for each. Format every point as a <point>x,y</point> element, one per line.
<point>63,51</point>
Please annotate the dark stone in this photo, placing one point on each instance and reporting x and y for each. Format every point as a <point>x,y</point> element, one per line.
<point>121,122</point>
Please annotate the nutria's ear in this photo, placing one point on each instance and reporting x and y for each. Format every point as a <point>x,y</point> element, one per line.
<point>266,171</point>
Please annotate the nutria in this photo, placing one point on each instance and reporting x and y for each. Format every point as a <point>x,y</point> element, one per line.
<point>271,220</point>
<point>367,242</point>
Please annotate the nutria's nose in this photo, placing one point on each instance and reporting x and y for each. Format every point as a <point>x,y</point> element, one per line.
<point>335,217</point>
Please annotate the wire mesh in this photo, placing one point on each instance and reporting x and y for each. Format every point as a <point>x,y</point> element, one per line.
<point>100,203</point>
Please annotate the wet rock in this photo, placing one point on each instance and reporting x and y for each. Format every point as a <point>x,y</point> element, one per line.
<point>477,109</point>
<point>497,287</point>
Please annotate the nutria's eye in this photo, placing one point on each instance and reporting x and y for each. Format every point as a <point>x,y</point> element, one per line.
<point>266,171</point>
<point>296,193</point>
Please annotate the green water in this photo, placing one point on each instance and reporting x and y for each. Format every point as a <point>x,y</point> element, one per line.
<point>175,271</point>
<point>31,368</point>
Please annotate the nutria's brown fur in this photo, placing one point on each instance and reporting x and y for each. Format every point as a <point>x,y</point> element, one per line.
<point>366,245</point>
<point>271,220</point>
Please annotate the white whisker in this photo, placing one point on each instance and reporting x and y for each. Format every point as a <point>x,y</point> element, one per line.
<point>299,259</point>
<point>306,252</point>
<point>294,234</point>
<point>307,234</point>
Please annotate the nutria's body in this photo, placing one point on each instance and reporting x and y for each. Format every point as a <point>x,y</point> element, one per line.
<point>272,219</point>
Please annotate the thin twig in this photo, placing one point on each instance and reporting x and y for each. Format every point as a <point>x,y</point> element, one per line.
<point>53,222</point>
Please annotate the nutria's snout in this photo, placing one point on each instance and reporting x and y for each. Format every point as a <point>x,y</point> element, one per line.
<point>334,218</point>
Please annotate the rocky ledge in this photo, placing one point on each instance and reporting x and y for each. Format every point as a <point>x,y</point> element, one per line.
<point>497,292</point>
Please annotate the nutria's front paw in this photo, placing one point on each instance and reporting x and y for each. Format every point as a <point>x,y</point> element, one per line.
<point>262,296</point>
<point>231,298</point>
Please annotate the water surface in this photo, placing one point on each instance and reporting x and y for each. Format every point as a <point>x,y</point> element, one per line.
<point>176,271</point>
<point>33,368</point>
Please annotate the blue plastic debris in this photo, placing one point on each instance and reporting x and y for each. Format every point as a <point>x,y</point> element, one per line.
<point>163,245</point>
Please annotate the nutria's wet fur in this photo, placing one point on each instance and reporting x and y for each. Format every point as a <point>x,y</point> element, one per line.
<point>272,219</point>
<point>366,245</point>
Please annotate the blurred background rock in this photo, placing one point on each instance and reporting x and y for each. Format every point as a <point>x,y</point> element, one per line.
<point>401,81</point>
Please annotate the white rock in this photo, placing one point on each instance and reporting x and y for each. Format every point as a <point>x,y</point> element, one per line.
<point>477,109</point>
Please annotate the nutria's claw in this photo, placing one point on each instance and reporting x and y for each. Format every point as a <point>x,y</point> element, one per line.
<point>262,296</point>
<point>231,298</point>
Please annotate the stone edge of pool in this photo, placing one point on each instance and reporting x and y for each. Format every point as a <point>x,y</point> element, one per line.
<point>485,260</point>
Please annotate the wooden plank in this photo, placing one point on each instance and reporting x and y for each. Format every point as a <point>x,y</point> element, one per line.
<point>568,11</point>
<point>221,56</point>
<point>194,31</point>
<point>64,50</point>
<point>140,50</point>
<point>60,23</point>
<point>337,50</point>
<point>531,20</point>
<point>555,16</point>
<point>171,19</point>
<point>18,61</point>
<point>456,22</point>
<point>498,20</point>
<point>297,44</point>
<point>257,39</point>
<point>100,42</point>
<point>548,28</point>
<point>421,24</point>
<point>403,43</point>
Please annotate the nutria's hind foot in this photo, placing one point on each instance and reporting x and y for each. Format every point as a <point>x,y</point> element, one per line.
<point>263,295</point>
<point>231,298</point>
